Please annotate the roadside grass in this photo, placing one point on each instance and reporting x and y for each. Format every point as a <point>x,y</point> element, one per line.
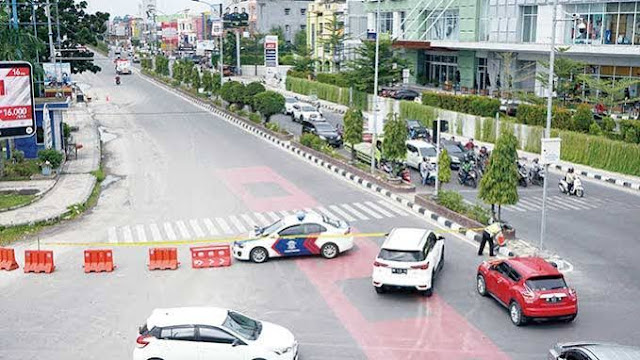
<point>12,234</point>
<point>11,200</point>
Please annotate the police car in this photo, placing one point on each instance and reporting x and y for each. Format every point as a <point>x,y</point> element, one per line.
<point>296,235</point>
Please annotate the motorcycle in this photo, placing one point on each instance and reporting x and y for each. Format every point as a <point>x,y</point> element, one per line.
<point>468,178</point>
<point>523,174</point>
<point>431,176</point>
<point>397,170</point>
<point>117,80</point>
<point>577,190</point>
<point>536,176</point>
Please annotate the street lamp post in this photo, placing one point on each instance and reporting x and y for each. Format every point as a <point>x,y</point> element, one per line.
<point>375,93</point>
<point>221,38</point>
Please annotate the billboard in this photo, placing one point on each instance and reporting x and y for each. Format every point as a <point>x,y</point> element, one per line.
<point>57,74</point>
<point>216,26</point>
<point>170,33</point>
<point>17,108</point>
<point>236,18</point>
<point>271,51</point>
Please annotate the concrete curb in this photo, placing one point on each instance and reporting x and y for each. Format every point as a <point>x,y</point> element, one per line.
<point>367,185</point>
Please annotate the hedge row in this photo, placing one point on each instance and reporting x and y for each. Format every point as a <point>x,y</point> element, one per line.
<point>600,152</point>
<point>413,110</point>
<point>326,92</point>
<point>337,79</point>
<point>469,104</point>
<point>537,115</point>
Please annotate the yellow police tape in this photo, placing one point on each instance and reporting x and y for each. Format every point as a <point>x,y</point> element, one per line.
<point>230,239</point>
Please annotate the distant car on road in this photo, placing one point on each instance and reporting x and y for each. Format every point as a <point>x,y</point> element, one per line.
<point>530,287</point>
<point>289,101</point>
<point>456,152</point>
<point>302,112</point>
<point>211,333</point>
<point>593,351</point>
<point>415,128</point>
<point>296,235</point>
<point>324,131</point>
<point>408,258</point>
<point>405,94</point>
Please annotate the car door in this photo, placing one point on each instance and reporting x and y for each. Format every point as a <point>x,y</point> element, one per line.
<point>296,111</point>
<point>179,343</point>
<point>306,127</point>
<point>412,156</point>
<point>290,241</point>
<point>215,343</point>
<point>313,232</point>
<point>503,282</point>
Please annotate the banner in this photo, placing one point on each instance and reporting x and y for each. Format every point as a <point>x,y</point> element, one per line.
<point>170,33</point>
<point>236,18</point>
<point>57,74</point>
<point>271,51</point>
<point>17,108</point>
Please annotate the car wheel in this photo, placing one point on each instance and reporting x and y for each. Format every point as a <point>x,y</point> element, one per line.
<point>441,263</point>
<point>429,291</point>
<point>379,289</point>
<point>515,313</point>
<point>329,250</point>
<point>259,255</point>
<point>481,285</point>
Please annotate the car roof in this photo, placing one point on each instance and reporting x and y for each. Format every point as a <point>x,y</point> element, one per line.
<point>410,239</point>
<point>531,266</point>
<point>308,218</point>
<point>420,144</point>
<point>187,316</point>
<point>605,351</point>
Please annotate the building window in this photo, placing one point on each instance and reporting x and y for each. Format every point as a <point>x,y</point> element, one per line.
<point>604,23</point>
<point>303,11</point>
<point>483,21</point>
<point>303,27</point>
<point>287,11</point>
<point>528,19</point>
<point>441,68</point>
<point>386,22</point>
<point>443,26</point>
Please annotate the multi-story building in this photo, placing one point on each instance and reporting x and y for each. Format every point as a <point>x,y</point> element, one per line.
<point>486,44</point>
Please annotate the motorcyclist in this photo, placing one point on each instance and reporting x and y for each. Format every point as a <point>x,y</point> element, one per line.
<point>570,177</point>
<point>535,168</point>
<point>469,145</point>
<point>466,167</point>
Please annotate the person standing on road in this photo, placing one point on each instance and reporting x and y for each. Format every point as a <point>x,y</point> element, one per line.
<point>488,234</point>
<point>424,170</point>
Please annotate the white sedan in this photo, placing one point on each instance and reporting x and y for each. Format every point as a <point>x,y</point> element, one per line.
<point>302,112</point>
<point>296,235</point>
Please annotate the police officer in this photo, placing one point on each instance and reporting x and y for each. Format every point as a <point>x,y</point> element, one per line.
<point>488,234</point>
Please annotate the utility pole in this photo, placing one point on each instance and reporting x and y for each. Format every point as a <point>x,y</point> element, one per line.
<point>437,157</point>
<point>58,40</point>
<point>238,69</point>
<point>375,93</point>
<point>14,14</point>
<point>52,51</point>
<point>35,29</point>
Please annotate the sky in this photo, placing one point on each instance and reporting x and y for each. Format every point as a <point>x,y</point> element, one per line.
<point>124,7</point>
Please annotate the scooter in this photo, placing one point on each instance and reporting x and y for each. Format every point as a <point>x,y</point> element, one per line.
<point>536,176</point>
<point>400,171</point>
<point>471,178</point>
<point>523,175</point>
<point>577,190</point>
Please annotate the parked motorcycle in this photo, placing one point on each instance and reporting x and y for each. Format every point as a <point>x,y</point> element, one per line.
<point>398,170</point>
<point>577,190</point>
<point>468,178</point>
<point>523,174</point>
<point>431,175</point>
<point>536,176</point>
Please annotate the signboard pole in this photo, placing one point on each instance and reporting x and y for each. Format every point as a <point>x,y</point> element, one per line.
<point>17,108</point>
<point>52,52</point>
<point>238,68</point>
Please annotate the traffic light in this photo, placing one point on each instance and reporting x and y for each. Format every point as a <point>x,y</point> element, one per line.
<point>444,127</point>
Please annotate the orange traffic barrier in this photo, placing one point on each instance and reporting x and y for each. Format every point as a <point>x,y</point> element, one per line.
<point>38,261</point>
<point>210,256</point>
<point>8,259</point>
<point>98,261</point>
<point>163,259</point>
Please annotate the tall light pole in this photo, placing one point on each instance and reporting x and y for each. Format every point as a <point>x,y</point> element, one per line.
<point>221,37</point>
<point>375,93</point>
<point>52,51</point>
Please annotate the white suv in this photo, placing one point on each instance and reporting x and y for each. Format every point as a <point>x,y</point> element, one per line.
<point>194,333</point>
<point>302,112</point>
<point>409,258</point>
<point>289,103</point>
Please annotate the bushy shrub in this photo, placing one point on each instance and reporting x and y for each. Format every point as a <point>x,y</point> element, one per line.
<point>594,129</point>
<point>252,89</point>
<point>326,92</point>
<point>233,92</point>
<point>452,200</point>
<point>312,141</point>
<point>531,114</point>
<point>472,104</point>
<point>583,118</point>
<point>600,153</point>
<point>608,124</point>
<point>298,74</point>
<point>53,156</point>
<point>255,117</point>
<point>630,131</point>
<point>412,110</point>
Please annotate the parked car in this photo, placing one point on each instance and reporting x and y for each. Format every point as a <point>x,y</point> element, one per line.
<point>408,258</point>
<point>593,351</point>
<point>415,128</point>
<point>324,130</point>
<point>530,287</point>
<point>228,70</point>
<point>405,94</point>
<point>302,112</point>
<point>456,152</point>
<point>419,149</point>
<point>289,102</point>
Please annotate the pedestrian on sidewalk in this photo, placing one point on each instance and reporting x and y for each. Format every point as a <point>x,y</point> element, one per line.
<point>424,170</point>
<point>488,234</point>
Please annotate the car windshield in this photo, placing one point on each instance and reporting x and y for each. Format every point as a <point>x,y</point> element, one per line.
<point>413,123</point>
<point>325,127</point>
<point>308,108</point>
<point>546,283</point>
<point>453,149</point>
<point>268,230</point>
<point>401,255</point>
<point>291,100</point>
<point>247,327</point>
<point>428,152</point>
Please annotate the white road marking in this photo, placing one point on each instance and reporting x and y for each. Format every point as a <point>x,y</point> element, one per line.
<point>393,208</point>
<point>379,209</point>
<point>126,233</point>
<point>284,213</point>
<point>234,220</point>
<point>367,210</point>
<point>514,208</point>
<point>584,203</point>
<point>561,202</point>
<point>196,228</point>
<point>355,212</point>
<point>155,232</point>
<point>328,213</point>
<point>171,235</point>
<point>340,212</point>
<point>311,211</point>
<point>182,228</point>
<point>142,237</point>
<point>224,226</point>
<point>112,234</point>
<point>248,220</point>
<point>210,227</point>
<point>273,216</point>
<point>263,220</point>
<point>523,203</point>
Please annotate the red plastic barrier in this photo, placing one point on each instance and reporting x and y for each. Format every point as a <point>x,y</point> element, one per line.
<point>98,261</point>
<point>38,261</point>
<point>210,256</point>
<point>163,259</point>
<point>8,259</point>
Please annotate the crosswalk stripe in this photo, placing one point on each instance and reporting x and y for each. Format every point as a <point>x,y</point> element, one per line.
<point>341,212</point>
<point>224,226</point>
<point>155,233</point>
<point>284,213</point>
<point>196,228</point>
<point>355,212</point>
<point>561,202</point>
<point>209,225</point>
<point>126,233</point>
<point>523,203</point>
<point>578,206</point>
<point>171,235</point>
<point>311,211</point>
<point>272,215</point>
<point>112,235</point>
<point>584,203</point>
<point>367,210</point>
<point>263,220</point>
<point>142,237</point>
<point>378,209</point>
<point>234,220</point>
<point>393,208</point>
<point>514,208</point>
<point>248,220</point>
<point>182,228</point>
<point>328,213</point>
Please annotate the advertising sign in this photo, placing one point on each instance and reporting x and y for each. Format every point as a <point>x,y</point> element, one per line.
<point>57,74</point>
<point>170,33</point>
<point>235,18</point>
<point>271,51</point>
<point>550,151</point>
<point>216,26</point>
<point>17,108</point>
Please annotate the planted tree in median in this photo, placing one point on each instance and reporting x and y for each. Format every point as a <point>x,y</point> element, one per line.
<point>499,185</point>
<point>394,146</point>
<point>444,167</point>
<point>195,80</point>
<point>268,103</point>
<point>583,118</point>
<point>353,124</point>
<point>251,90</point>
<point>233,92</point>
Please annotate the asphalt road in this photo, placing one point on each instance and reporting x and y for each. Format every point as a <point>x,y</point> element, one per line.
<point>176,167</point>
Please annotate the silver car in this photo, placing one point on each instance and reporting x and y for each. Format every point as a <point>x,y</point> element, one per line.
<point>593,351</point>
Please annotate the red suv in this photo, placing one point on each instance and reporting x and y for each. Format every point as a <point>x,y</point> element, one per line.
<point>530,287</point>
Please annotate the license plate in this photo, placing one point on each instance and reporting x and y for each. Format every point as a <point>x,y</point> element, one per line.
<point>398,271</point>
<point>554,299</point>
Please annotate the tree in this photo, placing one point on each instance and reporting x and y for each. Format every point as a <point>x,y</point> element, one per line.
<point>302,61</point>
<point>608,91</point>
<point>353,125</point>
<point>565,71</point>
<point>233,92</point>
<point>499,185</point>
<point>334,40</point>
<point>162,65</point>
<point>583,118</point>
<point>594,129</point>
<point>268,103</point>
<point>300,42</point>
<point>444,166</point>
<point>194,79</point>
<point>394,148</point>
<point>251,90</point>
<point>362,67</point>
<point>176,70</point>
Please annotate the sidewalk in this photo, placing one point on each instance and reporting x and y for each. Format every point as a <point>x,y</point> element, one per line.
<point>75,183</point>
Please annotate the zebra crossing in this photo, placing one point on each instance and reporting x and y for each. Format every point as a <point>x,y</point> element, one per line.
<point>557,203</point>
<point>238,224</point>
